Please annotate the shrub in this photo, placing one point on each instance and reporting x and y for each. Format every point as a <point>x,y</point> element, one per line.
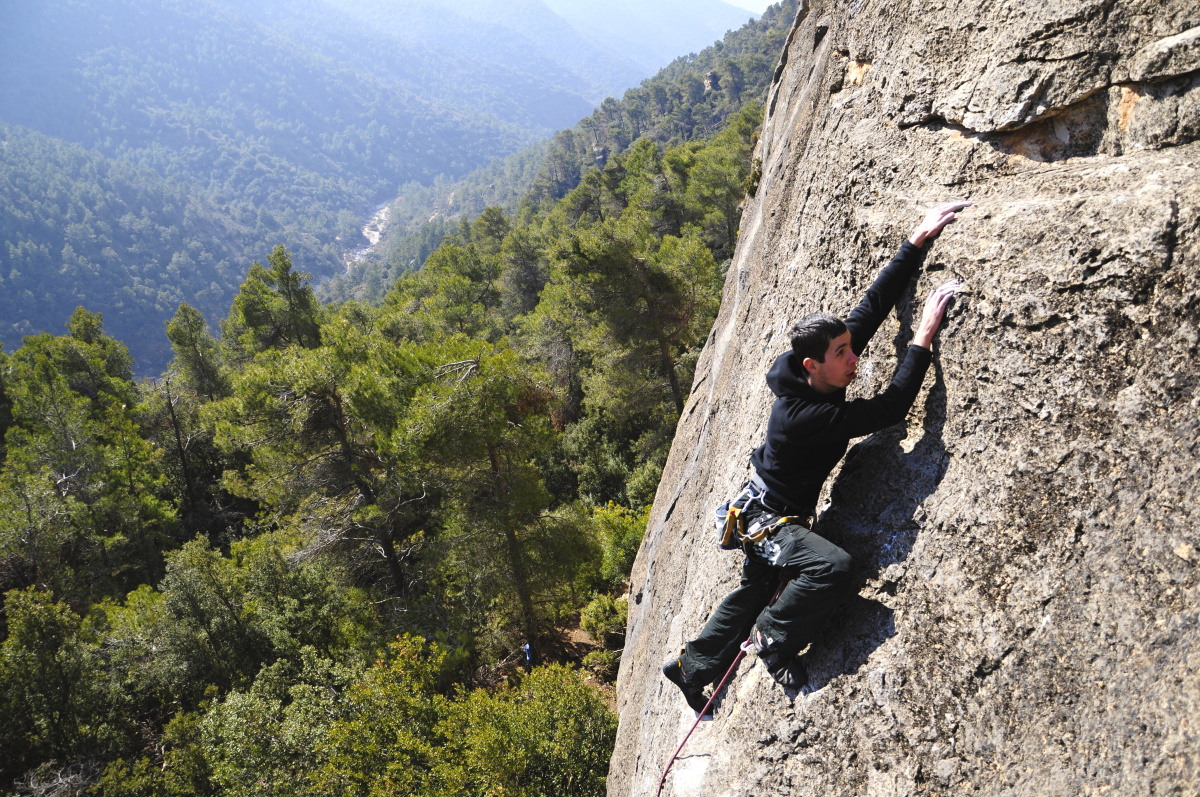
<point>621,531</point>
<point>549,736</point>
<point>604,664</point>
<point>605,617</point>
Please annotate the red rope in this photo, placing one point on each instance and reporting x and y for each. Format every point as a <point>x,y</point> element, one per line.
<point>700,717</point>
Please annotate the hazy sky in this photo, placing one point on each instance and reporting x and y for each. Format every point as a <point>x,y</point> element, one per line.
<point>757,6</point>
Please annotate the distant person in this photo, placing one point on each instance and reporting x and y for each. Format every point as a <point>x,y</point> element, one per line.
<point>810,427</point>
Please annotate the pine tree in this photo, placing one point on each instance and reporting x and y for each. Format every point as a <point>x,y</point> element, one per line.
<point>275,308</point>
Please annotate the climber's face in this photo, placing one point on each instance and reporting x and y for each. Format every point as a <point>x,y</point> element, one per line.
<point>838,370</point>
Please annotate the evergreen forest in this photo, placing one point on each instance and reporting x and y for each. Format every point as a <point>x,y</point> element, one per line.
<point>368,544</point>
<point>278,121</point>
<point>690,99</point>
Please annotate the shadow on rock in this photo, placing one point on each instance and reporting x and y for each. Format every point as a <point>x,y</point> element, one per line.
<point>862,625</point>
<point>877,502</point>
<point>876,514</point>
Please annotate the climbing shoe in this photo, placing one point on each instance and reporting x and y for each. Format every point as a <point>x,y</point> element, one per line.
<point>694,695</point>
<point>788,671</point>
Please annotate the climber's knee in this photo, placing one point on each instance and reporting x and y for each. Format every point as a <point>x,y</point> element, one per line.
<point>839,562</point>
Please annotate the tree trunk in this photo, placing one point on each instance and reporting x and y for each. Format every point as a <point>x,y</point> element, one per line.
<point>188,489</point>
<point>668,366</point>
<point>516,561</point>
<point>395,569</point>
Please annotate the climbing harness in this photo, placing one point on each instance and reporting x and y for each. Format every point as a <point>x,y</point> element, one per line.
<point>732,529</point>
<point>742,650</point>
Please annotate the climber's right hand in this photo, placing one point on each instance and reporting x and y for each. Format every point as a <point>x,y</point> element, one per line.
<point>935,220</point>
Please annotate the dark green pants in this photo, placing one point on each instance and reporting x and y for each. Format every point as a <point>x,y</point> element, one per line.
<point>814,570</point>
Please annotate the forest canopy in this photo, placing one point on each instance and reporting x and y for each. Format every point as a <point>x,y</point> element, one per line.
<point>217,556</point>
<point>350,547</point>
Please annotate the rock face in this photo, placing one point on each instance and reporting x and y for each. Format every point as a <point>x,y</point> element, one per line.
<point>1027,545</point>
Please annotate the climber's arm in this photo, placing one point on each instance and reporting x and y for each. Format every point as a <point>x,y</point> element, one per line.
<point>888,287</point>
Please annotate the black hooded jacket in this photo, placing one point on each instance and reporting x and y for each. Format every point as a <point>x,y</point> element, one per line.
<point>808,431</point>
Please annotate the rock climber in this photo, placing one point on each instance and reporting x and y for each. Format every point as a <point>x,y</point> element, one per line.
<point>809,429</point>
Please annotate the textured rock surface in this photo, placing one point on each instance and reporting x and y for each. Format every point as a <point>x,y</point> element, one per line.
<point>1027,545</point>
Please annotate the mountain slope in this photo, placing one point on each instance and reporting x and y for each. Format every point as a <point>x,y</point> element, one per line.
<point>294,118</point>
<point>524,33</point>
<point>440,52</point>
<point>689,99</point>
<point>82,229</point>
<point>652,34</point>
<point>200,91</point>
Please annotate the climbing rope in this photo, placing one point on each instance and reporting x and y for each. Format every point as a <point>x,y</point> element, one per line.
<point>700,717</point>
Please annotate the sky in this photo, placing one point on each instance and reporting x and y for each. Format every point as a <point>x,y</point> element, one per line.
<point>757,6</point>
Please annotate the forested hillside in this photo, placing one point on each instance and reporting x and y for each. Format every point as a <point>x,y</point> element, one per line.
<point>201,573</point>
<point>82,229</point>
<point>204,92</point>
<point>468,36</point>
<point>308,558</point>
<point>689,99</point>
<point>291,121</point>
<point>652,34</point>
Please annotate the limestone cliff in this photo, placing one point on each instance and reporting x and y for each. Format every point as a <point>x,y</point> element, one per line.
<point>1027,545</point>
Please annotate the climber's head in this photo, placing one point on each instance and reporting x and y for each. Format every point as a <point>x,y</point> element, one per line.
<point>821,342</point>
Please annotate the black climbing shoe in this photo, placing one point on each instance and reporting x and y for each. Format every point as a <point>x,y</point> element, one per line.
<point>788,671</point>
<point>694,695</point>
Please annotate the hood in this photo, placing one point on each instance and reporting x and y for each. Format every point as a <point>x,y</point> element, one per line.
<point>787,377</point>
